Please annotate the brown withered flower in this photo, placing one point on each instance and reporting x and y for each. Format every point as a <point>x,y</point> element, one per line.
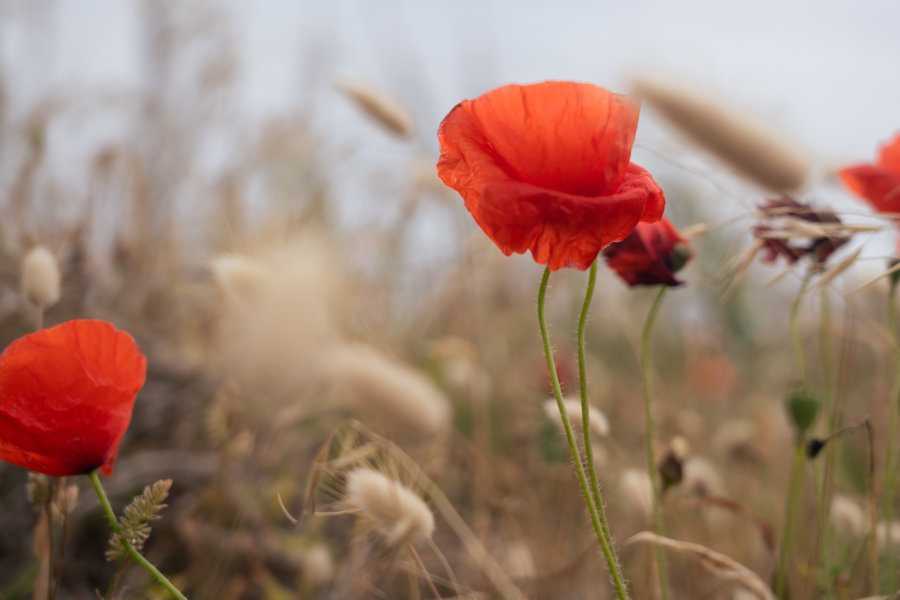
<point>792,230</point>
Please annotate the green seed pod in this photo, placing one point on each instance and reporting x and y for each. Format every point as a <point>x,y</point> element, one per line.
<point>802,407</point>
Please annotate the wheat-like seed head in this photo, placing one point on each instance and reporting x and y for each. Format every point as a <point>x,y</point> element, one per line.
<point>395,512</point>
<point>40,277</point>
<point>751,147</point>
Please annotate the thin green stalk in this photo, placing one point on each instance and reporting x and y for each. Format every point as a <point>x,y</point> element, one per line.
<point>134,554</point>
<point>890,459</point>
<point>787,537</point>
<point>819,551</point>
<point>648,436</point>
<point>596,510</point>
<point>784,552</point>
<point>582,380</point>
<point>794,326</point>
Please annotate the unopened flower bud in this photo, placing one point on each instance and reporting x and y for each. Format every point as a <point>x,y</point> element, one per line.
<point>802,407</point>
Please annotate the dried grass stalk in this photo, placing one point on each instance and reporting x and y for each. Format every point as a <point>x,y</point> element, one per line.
<point>718,564</point>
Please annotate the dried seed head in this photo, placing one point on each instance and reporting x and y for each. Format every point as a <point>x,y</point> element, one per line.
<point>749,146</point>
<point>637,489</point>
<point>395,512</point>
<point>380,389</point>
<point>701,478</point>
<point>317,564</point>
<point>518,561</point>
<point>883,530</point>
<point>40,277</point>
<point>848,518</point>
<point>382,108</point>
<point>597,422</point>
<point>276,308</point>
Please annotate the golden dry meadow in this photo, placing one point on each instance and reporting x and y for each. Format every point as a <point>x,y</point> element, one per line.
<point>349,399</point>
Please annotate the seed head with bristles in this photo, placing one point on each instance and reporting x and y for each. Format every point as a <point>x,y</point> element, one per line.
<point>387,391</point>
<point>40,277</point>
<point>750,147</point>
<point>396,513</point>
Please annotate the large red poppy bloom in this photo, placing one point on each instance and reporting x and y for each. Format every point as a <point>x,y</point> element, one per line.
<point>546,168</point>
<point>651,255</point>
<point>66,395</point>
<point>879,183</point>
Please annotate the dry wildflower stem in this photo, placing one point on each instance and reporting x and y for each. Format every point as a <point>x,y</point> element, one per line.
<point>648,436</point>
<point>129,549</point>
<point>597,513</point>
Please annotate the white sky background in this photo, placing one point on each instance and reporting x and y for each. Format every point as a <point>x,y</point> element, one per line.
<point>824,72</point>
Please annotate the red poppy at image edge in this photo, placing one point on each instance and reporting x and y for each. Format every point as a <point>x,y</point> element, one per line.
<point>879,183</point>
<point>546,168</point>
<point>66,396</point>
<point>651,255</point>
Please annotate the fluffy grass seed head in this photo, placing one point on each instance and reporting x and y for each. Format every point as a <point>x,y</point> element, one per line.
<point>385,391</point>
<point>317,564</point>
<point>597,422</point>
<point>637,490</point>
<point>396,513</point>
<point>848,518</point>
<point>752,148</point>
<point>40,277</point>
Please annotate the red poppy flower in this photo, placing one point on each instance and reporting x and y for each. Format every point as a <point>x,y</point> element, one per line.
<point>651,255</point>
<point>66,395</point>
<point>545,167</point>
<point>879,183</point>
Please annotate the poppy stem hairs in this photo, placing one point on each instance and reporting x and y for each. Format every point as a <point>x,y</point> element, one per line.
<point>126,544</point>
<point>595,508</point>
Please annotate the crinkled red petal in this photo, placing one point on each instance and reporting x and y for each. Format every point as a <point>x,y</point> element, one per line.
<point>564,230</point>
<point>66,397</point>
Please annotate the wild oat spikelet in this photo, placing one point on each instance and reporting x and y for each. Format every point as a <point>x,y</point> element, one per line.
<point>395,395</point>
<point>848,518</point>
<point>597,422</point>
<point>40,277</point>
<point>382,108</point>
<point>135,520</point>
<point>395,512</point>
<point>748,145</point>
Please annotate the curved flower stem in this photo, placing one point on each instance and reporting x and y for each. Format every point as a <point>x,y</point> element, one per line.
<point>582,380</point>
<point>651,454</point>
<point>134,554</point>
<point>595,509</point>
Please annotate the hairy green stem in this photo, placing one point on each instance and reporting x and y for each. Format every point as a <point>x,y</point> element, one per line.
<point>648,436</point>
<point>134,554</point>
<point>595,509</point>
<point>582,380</point>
